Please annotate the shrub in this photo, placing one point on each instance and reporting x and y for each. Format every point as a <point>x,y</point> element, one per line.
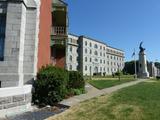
<point>50,86</point>
<point>118,73</point>
<point>158,77</point>
<point>76,80</point>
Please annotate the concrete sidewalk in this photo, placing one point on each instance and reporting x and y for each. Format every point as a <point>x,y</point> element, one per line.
<point>94,92</point>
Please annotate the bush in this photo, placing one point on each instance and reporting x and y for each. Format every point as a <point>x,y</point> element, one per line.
<point>76,83</point>
<point>76,80</point>
<point>118,73</point>
<point>158,77</point>
<point>50,86</point>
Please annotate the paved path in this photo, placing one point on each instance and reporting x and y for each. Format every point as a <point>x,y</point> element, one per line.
<point>93,92</point>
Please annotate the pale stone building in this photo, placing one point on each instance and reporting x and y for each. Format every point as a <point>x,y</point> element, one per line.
<point>72,53</point>
<point>153,70</point>
<point>91,56</point>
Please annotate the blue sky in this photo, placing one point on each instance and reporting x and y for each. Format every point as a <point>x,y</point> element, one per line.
<point>119,23</point>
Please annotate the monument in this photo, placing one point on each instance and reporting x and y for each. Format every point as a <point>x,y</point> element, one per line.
<point>143,72</point>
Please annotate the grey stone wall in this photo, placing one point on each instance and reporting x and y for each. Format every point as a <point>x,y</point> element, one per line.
<point>9,68</point>
<point>14,101</point>
<point>21,42</point>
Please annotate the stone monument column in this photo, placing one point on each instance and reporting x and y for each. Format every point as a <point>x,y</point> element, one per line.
<point>143,72</point>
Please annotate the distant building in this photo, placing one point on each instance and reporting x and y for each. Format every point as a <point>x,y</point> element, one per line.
<point>92,57</point>
<point>153,70</point>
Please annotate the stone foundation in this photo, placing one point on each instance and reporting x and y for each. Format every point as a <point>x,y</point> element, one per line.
<point>14,101</point>
<point>14,97</point>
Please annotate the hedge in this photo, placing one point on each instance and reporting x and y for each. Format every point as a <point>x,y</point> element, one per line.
<point>50,86</point>
<point>54,84</point>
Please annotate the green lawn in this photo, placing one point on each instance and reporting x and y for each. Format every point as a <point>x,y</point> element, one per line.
<point>108,82</point>
<point>138,102</point>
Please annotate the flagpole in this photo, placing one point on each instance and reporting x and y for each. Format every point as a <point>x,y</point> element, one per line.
<point>135,66</point>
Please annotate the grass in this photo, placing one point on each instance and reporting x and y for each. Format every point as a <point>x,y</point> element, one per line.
<point>102,83</point>
<point>138,102</point>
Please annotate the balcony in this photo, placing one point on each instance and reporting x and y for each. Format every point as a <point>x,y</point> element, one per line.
<point>59,31</point>
<point>58,42</point>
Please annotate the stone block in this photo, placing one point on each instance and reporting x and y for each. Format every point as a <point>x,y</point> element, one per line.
<point>18,98</point>
<point>5,100</point>
<point>21,103</point>
<point>10,105</point>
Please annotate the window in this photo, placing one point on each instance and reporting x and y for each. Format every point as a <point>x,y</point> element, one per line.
<point>100,61</point>
<point>2,34</point>
<point>70,48</point>
<point>70,67</point>
<point>85,43</point>
<point>103,48</point>
<point>86,50</point>
<point>104,54</point>
<point>100,53</point>
<point>86,68</point>
<point>100,47</point>
<point>96,46</point>
<point>95,53</point>
<point>85,59</point>
<point>96,60</point>
<point>70,58</point>
<point>90,59</point>
<point>90,51</point>
<point>104,62</point>
<point>0,84</point>
<point>90,44</point>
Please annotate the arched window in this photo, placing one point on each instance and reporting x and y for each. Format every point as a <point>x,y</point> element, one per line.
<point>85,59</point>
<point>85,43</point>
<point>90,51</point>
<point>86,68</point>
<point>86,50</point>
<point>90,44</point>
<point>90,59</point>
<point>70,58</point>
<point>96,46</point>
<point>95,53</point>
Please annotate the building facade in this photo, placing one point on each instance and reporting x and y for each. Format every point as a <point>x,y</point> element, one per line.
<point>59,34</point>
<point>24,48</point>
<point>153,70</point>
<point>93,57</point>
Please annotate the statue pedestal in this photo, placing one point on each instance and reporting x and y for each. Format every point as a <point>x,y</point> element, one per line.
<point>143,72</point>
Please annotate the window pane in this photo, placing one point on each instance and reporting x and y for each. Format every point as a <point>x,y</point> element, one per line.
<point>2,34</point>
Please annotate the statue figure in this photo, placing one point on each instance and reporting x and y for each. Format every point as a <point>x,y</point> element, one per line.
<point>141,48</point>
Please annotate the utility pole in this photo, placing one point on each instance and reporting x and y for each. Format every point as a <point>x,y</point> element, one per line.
<point>135,66</point>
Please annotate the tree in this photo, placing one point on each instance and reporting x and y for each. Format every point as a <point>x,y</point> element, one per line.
<point>157,64</point>
<point>129,67</point>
